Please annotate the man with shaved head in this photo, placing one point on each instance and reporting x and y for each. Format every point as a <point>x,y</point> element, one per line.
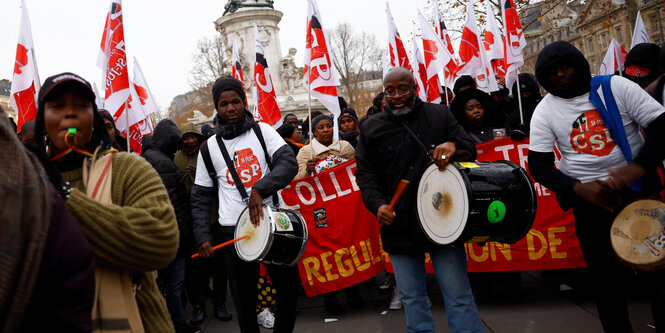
<point>399,144</point>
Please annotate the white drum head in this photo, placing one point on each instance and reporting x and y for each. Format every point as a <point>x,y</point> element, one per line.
<point>258,243</point>
<point>442,204</point>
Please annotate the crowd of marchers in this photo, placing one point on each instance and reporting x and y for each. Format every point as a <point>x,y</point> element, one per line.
<point>95,238</point>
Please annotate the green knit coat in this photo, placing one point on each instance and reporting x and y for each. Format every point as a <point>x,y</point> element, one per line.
<point>137,233</point>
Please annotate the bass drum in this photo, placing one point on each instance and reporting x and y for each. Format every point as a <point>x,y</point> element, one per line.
<point>476,202</point>
<point>280,238</point>
<point>638,235</point>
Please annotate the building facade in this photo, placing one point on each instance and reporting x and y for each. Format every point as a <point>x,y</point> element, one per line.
<point>590,27</point>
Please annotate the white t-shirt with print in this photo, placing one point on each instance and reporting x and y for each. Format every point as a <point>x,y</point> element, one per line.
<point>250,163</point>
<point>577,129</point>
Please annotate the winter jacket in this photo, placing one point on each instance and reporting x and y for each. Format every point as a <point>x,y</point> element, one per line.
<point>344,149</point>
<point>387,153</point>
<point>159,154</point>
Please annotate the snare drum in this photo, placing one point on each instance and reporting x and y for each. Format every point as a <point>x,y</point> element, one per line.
<point>638,235</point>
<point>279,239</point>
<point>476,202</point>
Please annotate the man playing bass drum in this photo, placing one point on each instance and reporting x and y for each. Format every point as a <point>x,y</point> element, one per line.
<point>392,146</point>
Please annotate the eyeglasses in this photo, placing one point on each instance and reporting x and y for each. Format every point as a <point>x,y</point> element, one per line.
<point>401,90</point>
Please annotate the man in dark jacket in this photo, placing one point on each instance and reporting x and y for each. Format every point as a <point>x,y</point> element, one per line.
<point>235,132</point>
<point>593,175</point>
<point>159,153</point>
<point>387,153</point>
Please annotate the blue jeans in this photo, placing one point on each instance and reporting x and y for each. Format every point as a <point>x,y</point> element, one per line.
<point>172,280</point>
<point>450,268</point>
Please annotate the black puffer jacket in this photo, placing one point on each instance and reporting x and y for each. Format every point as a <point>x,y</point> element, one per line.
<point>387,153</point>
<point>159,153</point>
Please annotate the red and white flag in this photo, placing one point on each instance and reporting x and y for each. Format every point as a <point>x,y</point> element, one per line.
<point>398,57</point>
<point>148,103</point>
<point>474,58</point>
<point>450,70</point>
<point>514,41</point>
<point>429,89</point>
<point>435,52</point>
<point>25,82</point>
<point>267,109</point>
<point>319,74</point>
<point>469,49</point>
<point>385,63</point>
<point>614,59</point>
<point>112,60</point>
<point>236,68</point>
<point>494,42</point>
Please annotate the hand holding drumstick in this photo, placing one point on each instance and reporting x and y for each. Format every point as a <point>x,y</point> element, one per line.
<point>208,251</point>
<point>385,213</point>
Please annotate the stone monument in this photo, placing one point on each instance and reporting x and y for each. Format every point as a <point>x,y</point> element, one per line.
<point>238,22</point>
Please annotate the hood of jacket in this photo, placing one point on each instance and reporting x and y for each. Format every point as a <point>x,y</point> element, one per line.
<point>165,137</point>
<point>556,54</point>
<point>528,81</point>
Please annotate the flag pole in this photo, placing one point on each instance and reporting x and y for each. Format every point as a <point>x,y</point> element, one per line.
<point>616,58</point>
<point>127,122</point>
<point>445,86</point>
<point>519,95</point>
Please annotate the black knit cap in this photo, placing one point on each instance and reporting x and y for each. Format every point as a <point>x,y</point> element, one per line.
<point>227,83</point>
<point>348,112</point>
<point>286,130</point>
<point>643,55</point>
<point>320,117</point>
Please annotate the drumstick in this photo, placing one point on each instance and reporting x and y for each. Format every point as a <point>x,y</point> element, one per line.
<point>217,247</point>
<point>403,184</point>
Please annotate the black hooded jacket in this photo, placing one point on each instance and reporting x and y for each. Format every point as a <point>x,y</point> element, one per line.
<point>159,153</point>
<point>387,153</point>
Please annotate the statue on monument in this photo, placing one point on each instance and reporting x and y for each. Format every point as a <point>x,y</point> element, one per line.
<point>289,72</point>
<point>233,5</point>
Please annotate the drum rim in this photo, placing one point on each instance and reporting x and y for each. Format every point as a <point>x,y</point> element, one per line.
<point>305,237</point>
<point>456,166</point>
<point>271,233</point>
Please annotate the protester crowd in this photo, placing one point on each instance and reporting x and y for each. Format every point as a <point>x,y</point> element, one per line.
<point>110,247</point>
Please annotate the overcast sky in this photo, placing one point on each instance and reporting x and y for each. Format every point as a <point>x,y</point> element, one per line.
<point>162,35</point>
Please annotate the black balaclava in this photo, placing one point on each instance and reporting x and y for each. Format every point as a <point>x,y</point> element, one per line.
<point>641,65</point>
<point>558,53</point>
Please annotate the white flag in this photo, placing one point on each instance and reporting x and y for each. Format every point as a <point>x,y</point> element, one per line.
<point>141,86</point>
<point>614,59</point>
<point>640,33</point>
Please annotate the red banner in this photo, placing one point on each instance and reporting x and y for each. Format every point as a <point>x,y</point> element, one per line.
<point>343,246</point>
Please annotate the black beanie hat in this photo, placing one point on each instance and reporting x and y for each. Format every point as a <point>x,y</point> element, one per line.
<point>227,83</point>
<point>286,130</point>
<point>320,117</point>
<point>464,80</point>
<point>348,112</point>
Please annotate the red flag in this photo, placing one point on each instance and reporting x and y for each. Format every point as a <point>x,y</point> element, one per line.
<point>319,74</point>
<point>267,109</point>
<point>25,82</point>
<point>112,60</point>
<point>429,89</point>
<point>514,41</point>
<point>440,27</point>
<point>398,57</point>
<point>236,68</point>
<point>469,49</point>
<point>614,59</point>
<point>494,42</point>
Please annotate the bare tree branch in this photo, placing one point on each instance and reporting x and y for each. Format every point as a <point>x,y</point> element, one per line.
<point>209,62</point>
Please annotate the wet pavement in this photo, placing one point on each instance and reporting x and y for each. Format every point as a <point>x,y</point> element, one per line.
<point>551,301</point>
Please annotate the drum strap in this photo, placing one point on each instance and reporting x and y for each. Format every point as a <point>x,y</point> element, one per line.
<point>229,164</point>
<point>205,154</point>
<point>415,137</point>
